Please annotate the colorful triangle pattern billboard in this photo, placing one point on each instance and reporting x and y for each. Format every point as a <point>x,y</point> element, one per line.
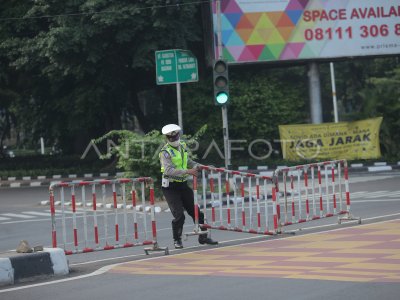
<point>254,36</point>
<point>276,30</point>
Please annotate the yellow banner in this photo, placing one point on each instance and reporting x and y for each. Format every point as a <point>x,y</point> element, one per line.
<point>344,140</point>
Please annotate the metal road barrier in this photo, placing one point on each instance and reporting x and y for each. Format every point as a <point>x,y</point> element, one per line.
<point>321,196</point>
<point>251,203</point>
<point>243,203</point>
<point>87,229</point>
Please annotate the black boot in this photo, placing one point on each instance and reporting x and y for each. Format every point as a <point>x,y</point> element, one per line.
<point>178,244</point>
<point>204,239</point>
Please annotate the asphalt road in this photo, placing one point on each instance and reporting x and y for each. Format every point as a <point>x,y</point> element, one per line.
<point>375,198</point>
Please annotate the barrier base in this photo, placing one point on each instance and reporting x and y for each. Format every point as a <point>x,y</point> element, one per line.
<point>196,231</point>
<point>156,248</point>
<point>244,230</point>
<point>290,232</point>
<point>348,217</point>
<point>187,234</point>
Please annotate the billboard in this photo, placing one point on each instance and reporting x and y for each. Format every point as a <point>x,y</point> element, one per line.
<point>289,30</point>
<point>344,140</point>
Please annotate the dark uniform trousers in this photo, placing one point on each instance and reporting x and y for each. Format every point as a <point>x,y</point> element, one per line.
<point>180,197</point>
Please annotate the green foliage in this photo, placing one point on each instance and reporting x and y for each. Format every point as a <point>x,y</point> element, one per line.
<point>260,101</point>
<point>80,70</point>
<point>265,101</point>
<point>138,155</point>
<point>382,98</point>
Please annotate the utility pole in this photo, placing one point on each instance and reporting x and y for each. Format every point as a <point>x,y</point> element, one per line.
<point>315,93</point>
<point>335,110</point>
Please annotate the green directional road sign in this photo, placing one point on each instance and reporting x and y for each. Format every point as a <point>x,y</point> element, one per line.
<point>176,66</point>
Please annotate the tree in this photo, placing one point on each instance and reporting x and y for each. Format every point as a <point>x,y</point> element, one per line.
<point>90,59</point>
<point>260,101</point>
<point>381,97</point>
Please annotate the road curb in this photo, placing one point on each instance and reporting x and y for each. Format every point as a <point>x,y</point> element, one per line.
<point>27,181</point>
<point>16,267</point>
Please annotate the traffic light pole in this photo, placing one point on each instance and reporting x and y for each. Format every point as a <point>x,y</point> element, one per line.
<point>225,132</point>
<point>224,108</point>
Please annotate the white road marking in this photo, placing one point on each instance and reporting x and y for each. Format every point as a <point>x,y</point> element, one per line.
<point>370,195</point>
<point>375,200</point>
<point>17,216</point>
<point>393,194</point>
<point>97,272</point>
<point>357,194</point>
<point>37,213</point>
<point>66,212</point>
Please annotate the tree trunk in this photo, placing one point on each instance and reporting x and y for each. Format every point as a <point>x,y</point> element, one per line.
<point>133,102</point>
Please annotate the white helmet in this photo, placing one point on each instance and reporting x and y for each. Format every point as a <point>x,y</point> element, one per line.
<point>170,129</point>
<point>172,133</point>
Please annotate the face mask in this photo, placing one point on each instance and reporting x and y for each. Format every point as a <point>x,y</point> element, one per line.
<point>175,144</point>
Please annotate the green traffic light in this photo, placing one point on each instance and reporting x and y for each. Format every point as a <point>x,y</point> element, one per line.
<point>222,98</point>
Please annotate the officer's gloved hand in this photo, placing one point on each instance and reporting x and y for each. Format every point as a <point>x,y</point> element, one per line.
<point>192,171</point>
<point>200,167</point>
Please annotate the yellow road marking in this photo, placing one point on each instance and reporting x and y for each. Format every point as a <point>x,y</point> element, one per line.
<point>377,260</point>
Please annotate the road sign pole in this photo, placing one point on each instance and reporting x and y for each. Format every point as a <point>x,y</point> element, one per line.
<point>179,100</point>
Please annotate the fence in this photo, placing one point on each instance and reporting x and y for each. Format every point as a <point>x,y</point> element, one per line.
<point>252,203</point>
<point>319,198</point>
<point>232,206</point>
<point>230,200</point>
<point>102,229</point>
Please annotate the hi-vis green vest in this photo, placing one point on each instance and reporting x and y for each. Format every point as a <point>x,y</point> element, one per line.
<point>179,160</point>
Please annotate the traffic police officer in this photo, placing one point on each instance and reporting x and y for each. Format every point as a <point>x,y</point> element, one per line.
<point>174,168</point>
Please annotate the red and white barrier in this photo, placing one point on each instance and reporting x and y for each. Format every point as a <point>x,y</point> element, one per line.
<point>96,231</point>
<point>237,202</point>
<point>302,193</point>
<point>251,203</point>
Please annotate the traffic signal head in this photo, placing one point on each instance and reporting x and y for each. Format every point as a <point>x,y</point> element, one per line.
<point>221,82</point>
